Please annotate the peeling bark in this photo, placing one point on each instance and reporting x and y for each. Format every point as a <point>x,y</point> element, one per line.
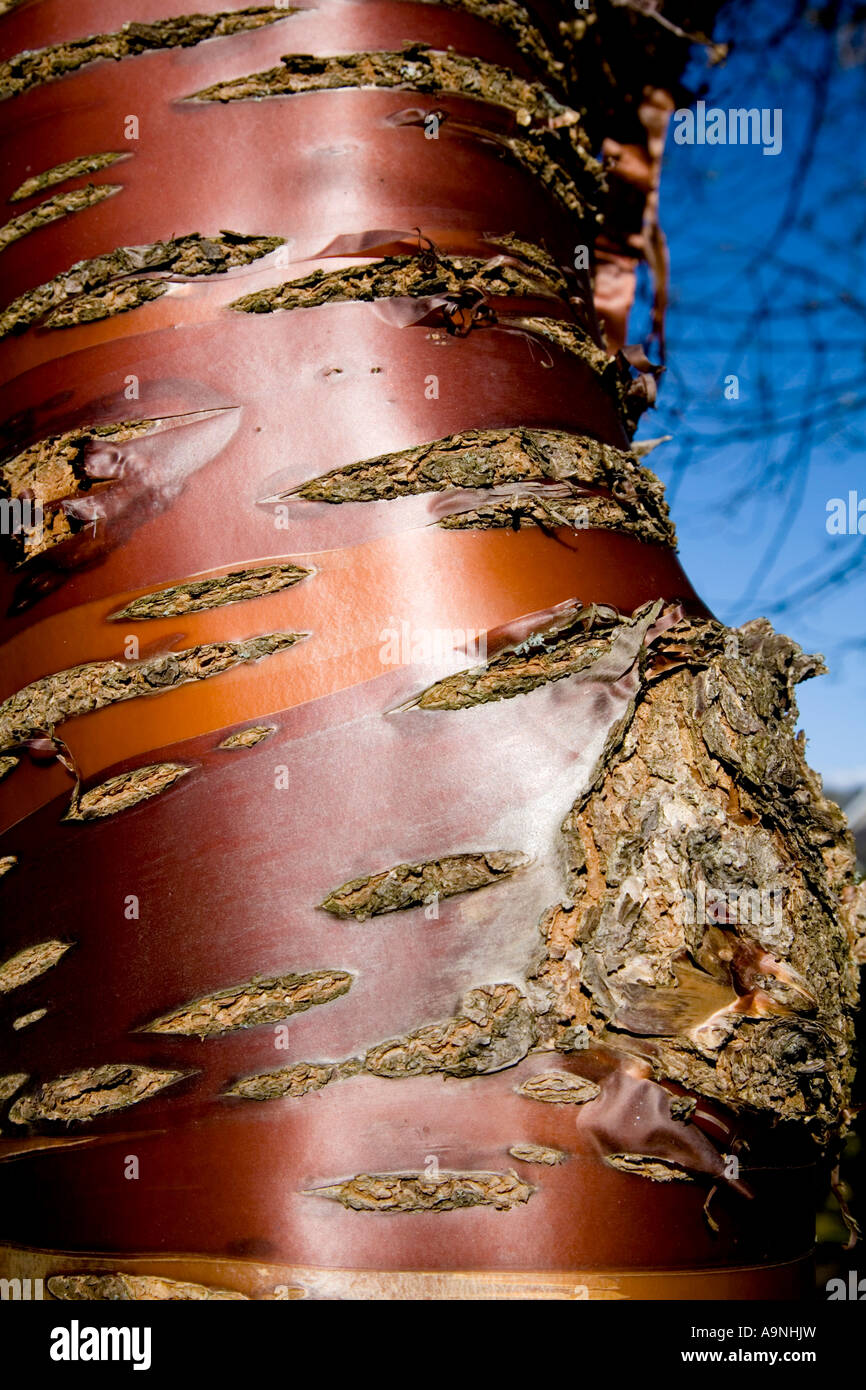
<point>494,1029</point>
<point>79,1288</point>
<point>25,1020</point>
<point>12,1082</point>
<point>644,1166</point>
<point>84,1095</point>
<point>41,65</point>
<point>7,766</point>
<point>30,963</point>
<point>416,67</point>
<point>590,642</point>
<point>702,797</point>
<point>7,863</point>
<point>294,1081</point>
<point>128,789</point>
<point>199,595</point>
<point>491,459</point>
<point>387,1192</point>
<point>559,1088</point>
<point>249,1005</point>
<point>61,173</point>
<point>537,1153</point>
<point>83,689</point>
<point>248,738</point>
<point>408,276</point>
<point>107,285</point>
<point>410,885</point>
<point>62,205</point>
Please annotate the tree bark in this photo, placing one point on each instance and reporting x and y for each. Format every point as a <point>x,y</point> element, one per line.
<point>411,889</point>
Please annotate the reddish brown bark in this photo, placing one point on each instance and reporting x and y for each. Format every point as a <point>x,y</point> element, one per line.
<point>206,906</point>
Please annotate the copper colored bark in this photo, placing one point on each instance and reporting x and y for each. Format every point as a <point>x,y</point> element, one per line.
<point>423,889</point>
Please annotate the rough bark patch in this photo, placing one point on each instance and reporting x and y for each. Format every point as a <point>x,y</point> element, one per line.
<point>248,738</point>
<point>107,285</point>
<point>537,1153</point>
<point>494,1029</point>
<point>713,914</point>
<point>82,1095</point>
<point>248,1005</point>
<point>35,67</point>
<point>25,1020</point>
<point>294,1081</point>
<point>416,66</point>
<point>127,789</point>
<point>395,277</point>
<point>30,963</point>
<point>494,458</point>
<point>646,1166</point>
<point>7,766</point>
<point>559,1088</point>
<point>12,1082</point>
<point>410,885</point>
<point>197,595</point>
<point>390,1192</point>
<point>60,173</point>
<point>96,684</point>
<point>550,505</point>
<point>53,209</point>
<point>153,1288</point>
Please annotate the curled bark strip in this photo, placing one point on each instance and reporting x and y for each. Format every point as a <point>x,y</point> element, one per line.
<point>416,66</point>
<point>152,1288</point>
<point>53,209</point>
<point>494,1029</point>
<point>30,963</point>
<point>596,644</point>
<point>35,67</point>
<point>248,738</point>
<point>110,284</point>
<point>61,464</point>
<point>646,1166</point>
<point>256,1002</point>
<point>12,1082</point>
<point>126,790</point>
<point>83,1095</point>
<point>294,1081</point>
<point>97,684</point>
<point>410,885</point>
<point>199,595</point>
<point>25,1020</point>
<point>537,1153</point>
<point>61,173</point>
<point>407,276</point>
<point>7,863</point>
<point>391,1192</point>
<point>559,1088</point>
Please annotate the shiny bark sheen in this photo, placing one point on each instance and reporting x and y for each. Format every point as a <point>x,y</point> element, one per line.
<point>440,904</point>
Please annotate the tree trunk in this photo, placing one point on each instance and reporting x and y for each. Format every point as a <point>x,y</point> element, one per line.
<point>411,889</point>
